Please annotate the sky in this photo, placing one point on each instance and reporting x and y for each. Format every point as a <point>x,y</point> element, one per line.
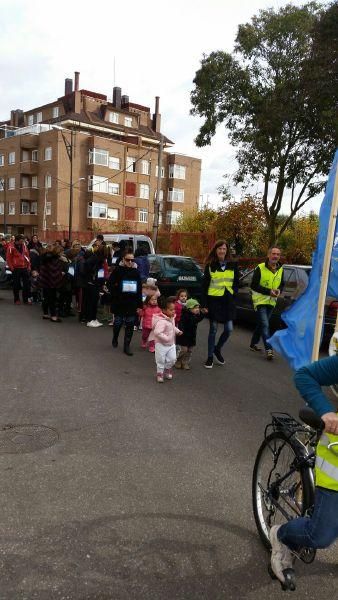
<point>156,47</point>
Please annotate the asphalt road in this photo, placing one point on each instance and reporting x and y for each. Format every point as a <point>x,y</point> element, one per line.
<point>116,487</point>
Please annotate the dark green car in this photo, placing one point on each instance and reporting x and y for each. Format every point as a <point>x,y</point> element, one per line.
<point>175,272</point>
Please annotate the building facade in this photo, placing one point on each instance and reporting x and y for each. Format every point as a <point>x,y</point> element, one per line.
<point>98,158</point>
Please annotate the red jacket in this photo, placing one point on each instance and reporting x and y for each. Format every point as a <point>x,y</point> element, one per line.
<point>16,259</point>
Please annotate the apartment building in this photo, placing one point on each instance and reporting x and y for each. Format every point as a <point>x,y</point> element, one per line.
<point>99,157</point>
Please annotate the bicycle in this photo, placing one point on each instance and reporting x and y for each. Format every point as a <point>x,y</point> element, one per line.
<point>283,481</point>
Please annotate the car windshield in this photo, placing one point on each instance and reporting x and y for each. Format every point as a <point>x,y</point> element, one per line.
<point>182,265</point>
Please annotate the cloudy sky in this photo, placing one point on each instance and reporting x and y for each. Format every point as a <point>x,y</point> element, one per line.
<point>157,48</point>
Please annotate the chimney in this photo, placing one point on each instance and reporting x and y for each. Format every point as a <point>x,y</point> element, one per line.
<point>117,97</point>
<point>157,116</point>
<point>68,86</point>
<point>17,118</point>
<point>125,100</point>
<point>76,80</point>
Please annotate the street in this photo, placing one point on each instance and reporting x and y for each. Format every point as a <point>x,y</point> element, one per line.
<point>116,487</point>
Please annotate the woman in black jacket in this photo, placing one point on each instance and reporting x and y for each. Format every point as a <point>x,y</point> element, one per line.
<point>92,281</point>
<point>126,291</point>
<point>220,284</point>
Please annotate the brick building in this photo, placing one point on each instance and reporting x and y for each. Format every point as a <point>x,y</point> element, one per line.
<point>103,153</point>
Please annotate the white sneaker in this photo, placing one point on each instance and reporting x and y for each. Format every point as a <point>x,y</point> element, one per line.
<point>94,324</point>
<point>281,555</point>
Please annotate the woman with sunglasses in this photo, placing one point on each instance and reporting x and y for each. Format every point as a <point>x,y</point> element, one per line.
<point>126,290</point>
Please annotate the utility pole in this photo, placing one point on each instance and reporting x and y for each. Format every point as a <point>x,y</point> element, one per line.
<point>5,203</point>
<point>158,193</point>
<point>70,153</point>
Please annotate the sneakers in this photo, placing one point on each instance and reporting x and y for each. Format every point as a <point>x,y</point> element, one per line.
<point>17,302</point>
<point>159,378</point>
<point>186,366</point>
<point>255,348</point>
<point>30,301</point>
<point>269,355</point>
<point>94,323</point>
<point>143,345</point>
<point>281,555</point>
<point>168,374</point>
<point>209,363</point>
<point>178,364</point>
<point>218,356</point>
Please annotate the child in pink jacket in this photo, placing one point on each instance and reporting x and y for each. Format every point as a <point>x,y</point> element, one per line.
<point>164,332</point>
<point>150,308</point>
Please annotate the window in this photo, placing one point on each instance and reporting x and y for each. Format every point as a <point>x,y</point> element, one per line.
<point>162,171</point>
<point>114,188</point>
<point>48,210</point>
<point>161,196</point>
<point>39,117</point>
<point>98,184</point>
<point>2,160</point>
<point>175,195</point>
<point>114,163</point>
<point>290,279</point>
<point>143,215</point>
<point>144,191</point>
<point>145,167</point>
<point>97,210</point>
<point>154,264</point>
<point>11,183</point>
<point>11,208</point>
<point>2,208</point>
<point>29,208</point>
<point>177,171</point>
<point>55,112</point>
<point>34,181</point>
<point>172,217</point>
<point>114,117</point>
<point>2,184</point>
<point>30,120</point>
<point>131,164</point>
<point>25,181</point>
<point>97,156</point>
<point>48,181</point>
<point>35,155</point>
<point>48,153</point>
<point>160,218</point>
<point>113,214</point>
<point>11,158</point>
<point>128,121</point>
<point>183,266</point>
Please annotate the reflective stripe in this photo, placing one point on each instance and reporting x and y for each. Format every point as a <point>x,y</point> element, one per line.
<point>327,468</point>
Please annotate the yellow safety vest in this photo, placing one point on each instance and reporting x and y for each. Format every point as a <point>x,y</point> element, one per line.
<point>326,468</point>
<point>269,280</point>
<point>220,281</point>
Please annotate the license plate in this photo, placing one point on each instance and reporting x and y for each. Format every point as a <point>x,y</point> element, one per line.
<point>186,278</point>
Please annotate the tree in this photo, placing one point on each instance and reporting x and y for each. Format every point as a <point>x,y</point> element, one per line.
<point>282,122</point>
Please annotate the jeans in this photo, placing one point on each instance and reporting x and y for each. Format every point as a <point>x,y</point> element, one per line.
<point>129,323</point>
<point>318,531</point>
<point>21,275</point>
<point>227,329</point>
<point>263,314</point>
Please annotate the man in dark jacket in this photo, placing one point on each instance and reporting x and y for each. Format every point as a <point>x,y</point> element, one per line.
<point>126,291</point>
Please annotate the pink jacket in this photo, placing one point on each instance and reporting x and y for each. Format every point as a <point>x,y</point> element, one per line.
<point>148,313</point>
<point>178,311</point>
<point>164,330</point>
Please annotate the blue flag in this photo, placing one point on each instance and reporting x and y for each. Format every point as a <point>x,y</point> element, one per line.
<point>295,343</point>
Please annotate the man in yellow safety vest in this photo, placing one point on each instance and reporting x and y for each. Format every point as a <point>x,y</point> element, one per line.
<point>266,285</point>
<point>319,530</point>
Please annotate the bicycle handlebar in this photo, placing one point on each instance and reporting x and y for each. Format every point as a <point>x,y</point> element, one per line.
<point>308,416</point>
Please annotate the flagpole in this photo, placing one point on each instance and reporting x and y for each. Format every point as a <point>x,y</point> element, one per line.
<point>326,270</point>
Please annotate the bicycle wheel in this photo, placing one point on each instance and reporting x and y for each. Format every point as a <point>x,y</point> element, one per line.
<point>275,503</point>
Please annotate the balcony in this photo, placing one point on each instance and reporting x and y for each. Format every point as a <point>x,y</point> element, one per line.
<point>29,141</point>
<point>29,167</point>
<point>28,193</point>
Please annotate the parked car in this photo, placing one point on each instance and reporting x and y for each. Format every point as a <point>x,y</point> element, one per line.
<point>175,272</point>
<point>5,274</point>
<point>296,278</point>
<point>133,240</point>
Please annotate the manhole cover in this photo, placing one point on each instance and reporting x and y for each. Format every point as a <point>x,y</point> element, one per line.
<point>19,439</point>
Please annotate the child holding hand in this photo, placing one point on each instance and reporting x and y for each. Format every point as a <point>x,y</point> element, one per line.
<point>150,308</point>
<point>191,316</point>
<point>163,333</point>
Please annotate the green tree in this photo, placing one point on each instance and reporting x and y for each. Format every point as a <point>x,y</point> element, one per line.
<point>282,122</point>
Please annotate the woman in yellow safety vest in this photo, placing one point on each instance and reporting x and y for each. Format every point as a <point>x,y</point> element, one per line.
<point>319,530</point>
<point>220,284</point>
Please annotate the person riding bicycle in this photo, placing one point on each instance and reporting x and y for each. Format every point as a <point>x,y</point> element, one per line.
<point>319,530</point>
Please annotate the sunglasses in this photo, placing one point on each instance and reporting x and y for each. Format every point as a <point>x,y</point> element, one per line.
<point>128,260</point>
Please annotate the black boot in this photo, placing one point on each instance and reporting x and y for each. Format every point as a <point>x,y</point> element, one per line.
<point>127,339</point>
<point>115,340</point>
